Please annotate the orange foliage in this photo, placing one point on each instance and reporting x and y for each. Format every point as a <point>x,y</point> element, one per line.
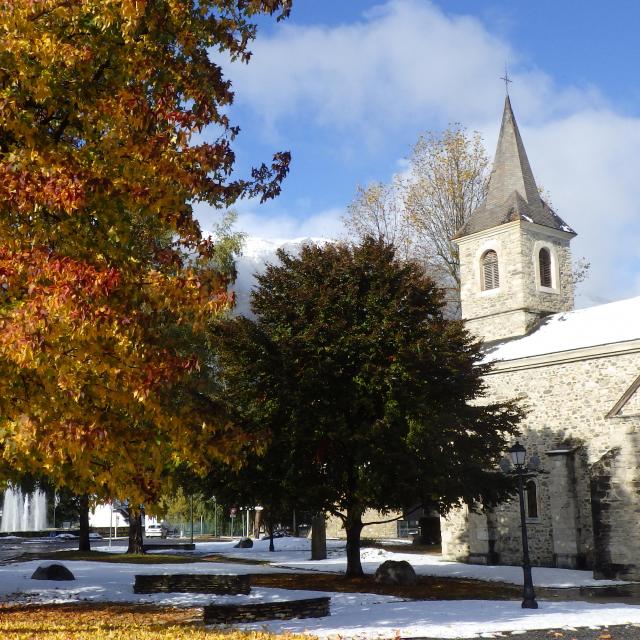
<point>107,287</point>
<point>116,622</point>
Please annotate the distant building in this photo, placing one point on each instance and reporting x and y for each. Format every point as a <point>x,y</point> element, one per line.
<point>578,372</point>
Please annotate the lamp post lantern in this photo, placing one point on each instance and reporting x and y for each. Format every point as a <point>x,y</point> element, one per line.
<point>518,455</point>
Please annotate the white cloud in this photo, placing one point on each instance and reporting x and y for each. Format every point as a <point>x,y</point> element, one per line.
<point>326,224</point>
<point>407,60</point>
<point>589,163</point>
<point>265,234</point>
<point>275,224</point>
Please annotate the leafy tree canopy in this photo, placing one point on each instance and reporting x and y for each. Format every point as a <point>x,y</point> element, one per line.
<point>106,282</point>
<point>374,399</point>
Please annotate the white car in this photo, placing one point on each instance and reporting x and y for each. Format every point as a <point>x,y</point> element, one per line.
<point>154,531</point>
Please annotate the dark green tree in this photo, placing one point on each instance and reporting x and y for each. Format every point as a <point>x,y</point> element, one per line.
<point>371,398</point>
<point>268,475</point>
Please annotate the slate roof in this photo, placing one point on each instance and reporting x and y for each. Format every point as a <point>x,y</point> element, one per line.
<point>512,194</point>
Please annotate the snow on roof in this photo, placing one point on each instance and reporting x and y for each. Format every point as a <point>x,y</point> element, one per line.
<point>591,327</point>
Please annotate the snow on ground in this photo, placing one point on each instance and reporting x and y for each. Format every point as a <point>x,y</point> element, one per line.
<point>433,565</point>
<point>353,615</point>
<point>287,550</point>
<point>293,553</point>
<point>110,582</point>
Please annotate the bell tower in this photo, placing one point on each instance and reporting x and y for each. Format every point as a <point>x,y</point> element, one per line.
<point>515,259</point>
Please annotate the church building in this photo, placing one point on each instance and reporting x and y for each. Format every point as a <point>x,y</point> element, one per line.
<point>576,371</point>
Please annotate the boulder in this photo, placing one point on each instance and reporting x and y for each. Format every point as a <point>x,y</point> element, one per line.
<point>52,572</point>
<point>395,572</point>
<point>244,543</point>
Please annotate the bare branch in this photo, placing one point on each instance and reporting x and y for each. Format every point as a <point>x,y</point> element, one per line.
<point>419,214</point>
<point>400,517</point>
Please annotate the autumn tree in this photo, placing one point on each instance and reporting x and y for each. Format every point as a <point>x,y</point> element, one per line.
<point>422,210</point>
<point>378,211</point>
<point>448,180</point>
<point>107,285</point>
<point>371,397</point>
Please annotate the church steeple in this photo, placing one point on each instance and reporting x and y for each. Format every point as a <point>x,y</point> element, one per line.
<point>513,193</point>
<point>515,260</point>
<point>511,168</point>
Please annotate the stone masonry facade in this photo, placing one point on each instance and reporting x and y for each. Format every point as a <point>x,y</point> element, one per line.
<point>518,304</point>
<point>582,398</point>
<point>374,531</point>
<point>588,506</point>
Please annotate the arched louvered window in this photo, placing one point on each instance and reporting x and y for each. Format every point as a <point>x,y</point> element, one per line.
<point>544,260</point>
<point>532,499</point>
<point>490,273</point>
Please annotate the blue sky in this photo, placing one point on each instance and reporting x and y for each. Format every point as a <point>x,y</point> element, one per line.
<point>348,86</point>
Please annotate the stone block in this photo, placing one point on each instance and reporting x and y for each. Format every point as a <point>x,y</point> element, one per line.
<point>254,612</point>
<point>192,583</point>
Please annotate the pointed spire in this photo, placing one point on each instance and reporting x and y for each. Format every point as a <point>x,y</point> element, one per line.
<point>511,168</point>
<point>513,193</point>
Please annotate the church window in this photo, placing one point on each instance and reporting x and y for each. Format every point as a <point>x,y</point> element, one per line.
<point>532,499</point>
<point>490,273</point>
<point>544,260</point>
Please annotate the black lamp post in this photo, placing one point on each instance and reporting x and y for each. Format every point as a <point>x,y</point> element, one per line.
<point>191,510</point>
<point>518,455</point>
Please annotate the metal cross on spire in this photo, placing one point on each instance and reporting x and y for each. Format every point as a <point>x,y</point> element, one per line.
<point>507,80</point>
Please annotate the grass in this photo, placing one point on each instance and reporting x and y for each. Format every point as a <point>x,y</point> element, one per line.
<point>113,622</point>
<point>105,556</point>
<point>214,557</point>
<point>427,587</point>
<point>134,558</point>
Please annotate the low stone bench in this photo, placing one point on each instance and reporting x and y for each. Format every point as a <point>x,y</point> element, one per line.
<point>232,613</point>
<point>159,546</point>
<point>192,583</point>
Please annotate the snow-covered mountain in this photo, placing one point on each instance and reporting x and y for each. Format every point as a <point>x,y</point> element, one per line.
<point>256,253</point>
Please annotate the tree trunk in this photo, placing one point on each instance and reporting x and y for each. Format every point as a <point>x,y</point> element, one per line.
<point>318,537</point>
<point>270,524</point>
<point>353,527</point>
<point>257,522</point>
<point>135,532</point>
<point>84,544</point>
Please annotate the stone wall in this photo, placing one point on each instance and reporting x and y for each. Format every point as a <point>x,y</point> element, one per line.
<point>192,583</point>
<point>374,531</point>
<point>519,302</point>
<point>455,534</point>
<point>254,612</point>
<point>588,460</point>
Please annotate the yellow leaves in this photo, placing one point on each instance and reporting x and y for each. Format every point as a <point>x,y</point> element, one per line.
<point>99,100</point>
<point>24,432</point>
<point>115,622</point>
<point>96,374</point>
<point>29,180</point>
<point>132,12</point>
